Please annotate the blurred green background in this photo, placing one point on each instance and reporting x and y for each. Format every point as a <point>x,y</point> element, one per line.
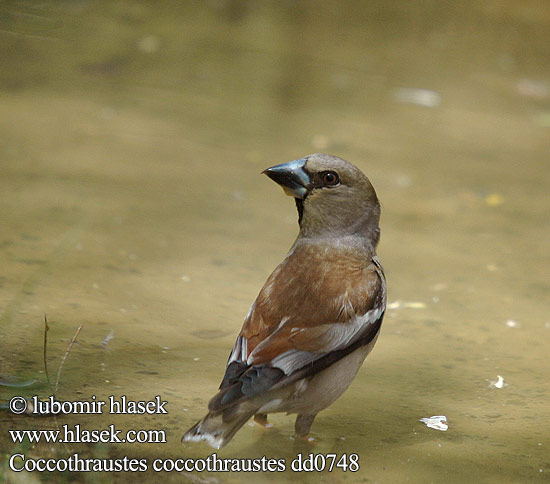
<point>132,139</point>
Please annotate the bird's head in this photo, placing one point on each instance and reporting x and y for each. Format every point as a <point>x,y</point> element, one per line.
<point>334,198</point>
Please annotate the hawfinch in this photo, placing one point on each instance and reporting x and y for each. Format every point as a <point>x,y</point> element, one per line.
<point>319,312</point>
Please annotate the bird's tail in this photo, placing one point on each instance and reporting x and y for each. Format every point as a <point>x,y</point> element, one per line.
<point>214,430</point>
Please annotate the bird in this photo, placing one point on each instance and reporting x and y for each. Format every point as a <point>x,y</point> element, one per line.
<point>319,313</point>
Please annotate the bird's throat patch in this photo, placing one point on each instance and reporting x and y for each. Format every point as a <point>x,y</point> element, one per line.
<point>300,207</point>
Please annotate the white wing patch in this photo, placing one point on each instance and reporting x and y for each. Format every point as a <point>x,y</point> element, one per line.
<point>344,334</point>
<point>239,351</point>
<point>338,336</point>
<point>293,359</point>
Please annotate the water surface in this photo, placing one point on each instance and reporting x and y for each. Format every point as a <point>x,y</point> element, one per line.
<point>133,137</point>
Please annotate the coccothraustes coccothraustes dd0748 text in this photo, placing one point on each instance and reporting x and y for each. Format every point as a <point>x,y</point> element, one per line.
<point>319,312</point>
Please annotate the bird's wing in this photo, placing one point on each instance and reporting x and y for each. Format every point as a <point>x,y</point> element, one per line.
<point>310,319</point>
<point>306,317</point>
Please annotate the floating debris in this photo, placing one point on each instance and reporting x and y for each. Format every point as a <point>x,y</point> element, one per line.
<point>420,97</point>
<point>414,305</point>
<point>13,381</point>
<point>149,44</point>
<point>437,422</point>
<point>533,89</point>
<point>498,383</point>
<point>185,278</point>
<point>109,337</point>
<point>494,200</point>
<point>511,323</point>
<point>406,304</point>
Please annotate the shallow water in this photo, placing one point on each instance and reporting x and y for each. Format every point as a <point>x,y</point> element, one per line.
<point>133,137</point>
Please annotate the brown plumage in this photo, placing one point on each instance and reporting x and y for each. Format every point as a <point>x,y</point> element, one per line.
<point>318,314</point>
<point>336,289</point>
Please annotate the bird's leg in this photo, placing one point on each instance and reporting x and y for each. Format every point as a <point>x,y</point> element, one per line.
<point>303,425</point>
<point>261,419</point>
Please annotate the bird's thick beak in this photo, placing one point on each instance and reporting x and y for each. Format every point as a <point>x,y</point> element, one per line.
<point>292,177</point>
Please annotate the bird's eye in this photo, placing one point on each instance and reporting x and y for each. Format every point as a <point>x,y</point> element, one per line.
<point>330,178</point>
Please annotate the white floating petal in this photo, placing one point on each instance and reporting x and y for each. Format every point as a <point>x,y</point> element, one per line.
<point>498,383</point>
<point>437,422</point>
